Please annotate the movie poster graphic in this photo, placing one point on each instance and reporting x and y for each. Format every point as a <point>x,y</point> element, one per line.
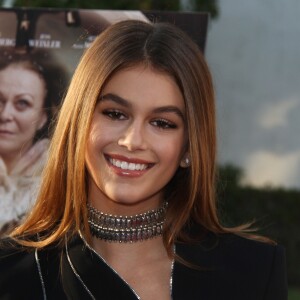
<point>39,51</point>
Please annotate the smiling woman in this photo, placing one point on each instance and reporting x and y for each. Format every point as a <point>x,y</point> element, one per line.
<point>25,112</point>
<point>137,132</point>
<point>126,208</point>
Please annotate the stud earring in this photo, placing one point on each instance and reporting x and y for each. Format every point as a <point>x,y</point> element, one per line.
<point>185,162</point>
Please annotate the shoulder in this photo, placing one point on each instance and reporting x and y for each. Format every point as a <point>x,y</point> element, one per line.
<point>242,247</point>
<point>21,270</point>
<point>231,246</point>
<point>232,258</point>
<point>12,252</point>
<point>251,253</point>
<point>18,270</point>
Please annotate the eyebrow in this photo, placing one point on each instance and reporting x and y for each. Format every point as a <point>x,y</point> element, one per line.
<point>123,102</point>
<point>115,98</point>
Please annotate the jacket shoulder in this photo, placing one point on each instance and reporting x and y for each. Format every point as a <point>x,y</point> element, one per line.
<point>235,262</point>
<point>18,271</point>
<point>24,269</point>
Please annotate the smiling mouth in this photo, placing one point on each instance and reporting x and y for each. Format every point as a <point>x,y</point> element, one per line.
<point>128,166</point>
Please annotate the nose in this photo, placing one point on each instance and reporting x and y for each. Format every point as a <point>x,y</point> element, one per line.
<point>133,137</point>
<point>6,112</point>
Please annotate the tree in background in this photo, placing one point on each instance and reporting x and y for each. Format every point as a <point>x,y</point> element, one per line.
<point>274,211</point>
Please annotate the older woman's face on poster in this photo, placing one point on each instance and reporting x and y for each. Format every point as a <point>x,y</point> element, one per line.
<point>22,94</point>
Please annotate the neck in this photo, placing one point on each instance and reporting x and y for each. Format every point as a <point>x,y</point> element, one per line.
<point>11,159</point>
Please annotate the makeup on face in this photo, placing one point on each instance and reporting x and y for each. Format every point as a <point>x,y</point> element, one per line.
<point>136,139</point>
<point>22,96</point>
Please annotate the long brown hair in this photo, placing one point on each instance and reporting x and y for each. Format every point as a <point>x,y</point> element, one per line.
<point>61,205</point>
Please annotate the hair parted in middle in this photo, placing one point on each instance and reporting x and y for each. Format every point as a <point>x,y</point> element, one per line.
<point>61,205</point>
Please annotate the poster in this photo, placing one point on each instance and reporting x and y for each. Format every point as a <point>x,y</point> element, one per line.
<point>39,51</point>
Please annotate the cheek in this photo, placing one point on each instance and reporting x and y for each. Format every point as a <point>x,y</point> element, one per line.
<point>171,150</point>
<point>28,122</point>
<point>99,138</point>
<point>96,143</point>
<point>102,134</point>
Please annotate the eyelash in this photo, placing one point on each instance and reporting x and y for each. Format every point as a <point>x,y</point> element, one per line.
<point>164,124</point>
<point>115,115</point>
<point>119,116</point>
<point>22,102</point>
<point>20,105</point>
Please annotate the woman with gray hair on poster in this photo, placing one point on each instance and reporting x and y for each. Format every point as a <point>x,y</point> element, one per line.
<point>29,92</point>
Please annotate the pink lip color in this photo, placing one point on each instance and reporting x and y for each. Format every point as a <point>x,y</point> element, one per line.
<point>127,173</point>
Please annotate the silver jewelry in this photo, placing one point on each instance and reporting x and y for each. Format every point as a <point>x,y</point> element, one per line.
<point>187,161</point>
<point>37,260</point>
<point>108,265</point>
<point>76,273</point>
<point>126,229</point>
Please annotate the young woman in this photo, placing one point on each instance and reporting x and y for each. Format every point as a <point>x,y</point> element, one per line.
<point>27,97</point>
<point>126,208</point>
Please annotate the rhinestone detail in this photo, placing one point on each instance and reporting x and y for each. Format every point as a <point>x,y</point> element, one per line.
<point>126,229</point>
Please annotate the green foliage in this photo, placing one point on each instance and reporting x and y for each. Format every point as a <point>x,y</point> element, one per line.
<point>274,210</point>
<point>294,294</point>
<point>174,5</point>
<point>208,5</point>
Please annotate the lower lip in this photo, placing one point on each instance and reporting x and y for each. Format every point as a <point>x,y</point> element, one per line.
<point>5,133</point>
<point>127,173</point>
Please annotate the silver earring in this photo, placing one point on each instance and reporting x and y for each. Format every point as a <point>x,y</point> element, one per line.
<point>185,162</point>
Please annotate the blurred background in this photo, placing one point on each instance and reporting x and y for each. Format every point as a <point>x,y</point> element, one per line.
<point>253,51</point>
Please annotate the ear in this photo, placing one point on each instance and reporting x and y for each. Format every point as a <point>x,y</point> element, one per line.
<point>42,121</point>
<point>185,161</point>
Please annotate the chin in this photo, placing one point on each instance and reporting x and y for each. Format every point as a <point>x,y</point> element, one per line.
<point>128,201</point>
<point>131,200</point>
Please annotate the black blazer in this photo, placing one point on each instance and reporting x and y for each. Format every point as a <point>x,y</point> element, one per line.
<point>229,267</point>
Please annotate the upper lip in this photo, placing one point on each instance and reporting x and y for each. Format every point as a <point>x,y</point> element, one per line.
<point>128,159</point>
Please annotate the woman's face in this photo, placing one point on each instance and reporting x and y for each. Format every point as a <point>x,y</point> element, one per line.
<point>22,94</point>
<point>136,140</point>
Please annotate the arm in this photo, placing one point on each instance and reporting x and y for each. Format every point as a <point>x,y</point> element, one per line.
<point>277,284</point>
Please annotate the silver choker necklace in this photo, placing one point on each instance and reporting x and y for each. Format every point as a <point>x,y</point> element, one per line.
<point>127,229</point>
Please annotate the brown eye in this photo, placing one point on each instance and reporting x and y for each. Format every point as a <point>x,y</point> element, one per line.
<point>22,104</point>
<point>163,124</point>
<point>114,114</point>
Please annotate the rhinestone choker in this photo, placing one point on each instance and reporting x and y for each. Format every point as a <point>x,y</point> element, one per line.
<point>126,229</point>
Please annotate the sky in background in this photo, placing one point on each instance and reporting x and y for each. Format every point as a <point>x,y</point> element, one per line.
<point>253,49</point>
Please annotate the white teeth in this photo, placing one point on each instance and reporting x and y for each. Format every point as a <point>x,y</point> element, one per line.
<point>124,165</point>
<point>131,166</point>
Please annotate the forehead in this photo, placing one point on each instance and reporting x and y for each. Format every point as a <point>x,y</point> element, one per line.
<point>141,84</point>
<point>16,80</point>
<point>21,75</point>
